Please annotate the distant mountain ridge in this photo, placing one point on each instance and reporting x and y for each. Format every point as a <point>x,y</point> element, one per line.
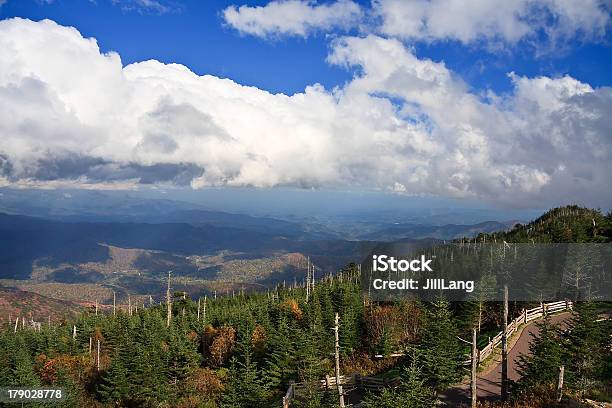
<point>24,240</point>
<point>445,232</point>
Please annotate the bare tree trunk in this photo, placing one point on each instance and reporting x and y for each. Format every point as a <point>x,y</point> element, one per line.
<point>114,304</point>
<point>308,280</point>
<point>504,368</point>
<point>474,366</point>
<point>168,303</point>
<point>312,279</point>
<point>479,315</point>
<point>204,311</point>
<point>337,355</point>
<point>98,357</point>
<point>560,384</point>
<point>198,309</point>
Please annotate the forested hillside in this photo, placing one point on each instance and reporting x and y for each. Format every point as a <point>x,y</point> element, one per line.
<point>244,350</point>
<point>563,224</point>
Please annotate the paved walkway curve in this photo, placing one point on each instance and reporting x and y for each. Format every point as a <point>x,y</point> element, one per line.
<point>489,382</point>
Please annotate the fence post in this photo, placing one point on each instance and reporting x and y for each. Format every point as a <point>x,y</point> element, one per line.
<point>326,382</point>
<point>525,315</point>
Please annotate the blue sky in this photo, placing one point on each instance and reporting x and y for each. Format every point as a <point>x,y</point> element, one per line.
<point>194,34</point>
<point>506,103</point>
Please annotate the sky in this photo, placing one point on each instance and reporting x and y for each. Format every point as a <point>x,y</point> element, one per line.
<point>502,102</point>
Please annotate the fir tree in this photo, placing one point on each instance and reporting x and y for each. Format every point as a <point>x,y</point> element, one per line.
<point>541,366</point>
<point>439,350</point>
<point>586,347</point>
<point>245,388</point>
<point>114,386</point>
<point>414,391</point>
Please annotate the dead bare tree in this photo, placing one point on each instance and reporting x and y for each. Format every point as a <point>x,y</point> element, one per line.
<point>504,367</point>
<point>168,303</point>
<point>337,358</point>
<point>473,371</point>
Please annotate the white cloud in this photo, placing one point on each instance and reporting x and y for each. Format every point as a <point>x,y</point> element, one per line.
<point>492,20</point>
<point>292,17</point>
<point>69,114</point>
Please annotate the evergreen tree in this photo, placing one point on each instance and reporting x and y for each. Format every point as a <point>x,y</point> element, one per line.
<point>414,391</point>
<point>22,373</point>
<point>541,366</point>
<point>280,363</point>
<point>245,388</point>
<point>586,348</point>
<point>388,398</point>
<point>439,350</point>
<point>114,386</point>
<point>385,344</point>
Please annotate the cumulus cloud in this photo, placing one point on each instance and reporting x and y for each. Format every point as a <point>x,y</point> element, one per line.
<point>492,20</point>
<point>292,17</point>
<point>69,113</point>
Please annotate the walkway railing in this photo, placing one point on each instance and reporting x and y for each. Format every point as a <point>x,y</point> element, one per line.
<point>525,317</point>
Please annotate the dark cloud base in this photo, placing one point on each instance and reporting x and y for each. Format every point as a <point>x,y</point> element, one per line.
<point>98,170</point>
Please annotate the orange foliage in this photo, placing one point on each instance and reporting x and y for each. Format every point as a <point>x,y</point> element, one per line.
<point>404,321</point>
<point>77,367</point>
<point>192,336</point>
<point>364,364</point>
<point>258,339</point>
<point>206,382</point>
<point>218,344</point>
<point>291,305</point>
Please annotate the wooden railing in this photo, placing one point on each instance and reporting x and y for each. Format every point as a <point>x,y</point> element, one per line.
<point>525,317</point>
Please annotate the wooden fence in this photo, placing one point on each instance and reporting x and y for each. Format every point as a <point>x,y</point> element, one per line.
<point>525,317</point>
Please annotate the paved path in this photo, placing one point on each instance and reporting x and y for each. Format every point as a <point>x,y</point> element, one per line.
<point>489,381</point>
